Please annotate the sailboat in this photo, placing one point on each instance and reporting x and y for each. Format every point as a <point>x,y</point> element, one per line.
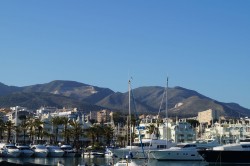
<point>169,144</point>
<point>141,147</point>
<point>128,160</point>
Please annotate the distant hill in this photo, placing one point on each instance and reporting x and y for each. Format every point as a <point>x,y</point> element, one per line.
<point>35,100</point>
<point>71,89</point>
<point>4,89</point>
<point>181,102</point>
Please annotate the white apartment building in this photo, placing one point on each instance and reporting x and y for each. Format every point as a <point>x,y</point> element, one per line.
<point>18,111</point>
<point>177,131</point>
<point>228,132</point>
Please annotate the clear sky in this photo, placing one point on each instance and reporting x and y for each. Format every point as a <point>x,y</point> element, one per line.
<point>200,45</point>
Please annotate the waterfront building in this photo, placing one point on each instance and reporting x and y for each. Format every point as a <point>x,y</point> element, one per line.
<point>179,131</point>
<point>17,114</point>
<point>208,116</point>
<point>229,131</point>
<point>45,110</point>
<point>103,116</point>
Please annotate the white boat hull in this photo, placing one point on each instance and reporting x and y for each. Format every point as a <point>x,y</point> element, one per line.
<point>181,155</point>
<point>93,154</point>
<point>137,153</point>
<point>13,153</point>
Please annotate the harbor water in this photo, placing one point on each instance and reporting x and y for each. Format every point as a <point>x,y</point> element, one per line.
<point>97,161</point>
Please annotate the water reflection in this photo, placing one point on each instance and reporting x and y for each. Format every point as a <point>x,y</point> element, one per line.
<point>98,161</point>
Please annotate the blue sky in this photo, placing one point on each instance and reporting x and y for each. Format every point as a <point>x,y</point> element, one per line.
<point>200,45</point>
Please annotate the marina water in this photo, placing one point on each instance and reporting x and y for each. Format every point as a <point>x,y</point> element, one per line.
<point>75,161</point>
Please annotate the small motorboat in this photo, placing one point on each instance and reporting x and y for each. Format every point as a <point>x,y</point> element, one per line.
<point>40,150</point>
<point>54,151</point>
<point>26,151</point>
<point>68,151</point>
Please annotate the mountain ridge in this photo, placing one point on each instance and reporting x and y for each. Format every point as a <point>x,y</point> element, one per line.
<point>182,102</point>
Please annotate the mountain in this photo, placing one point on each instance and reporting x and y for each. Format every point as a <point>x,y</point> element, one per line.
<point>4,89</point>
<point>71,89</point>
<point>35,100</point>
<point>181,102</point>
<point>56,93</point>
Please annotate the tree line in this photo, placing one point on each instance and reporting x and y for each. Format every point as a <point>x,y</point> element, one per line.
<point>32,130</point>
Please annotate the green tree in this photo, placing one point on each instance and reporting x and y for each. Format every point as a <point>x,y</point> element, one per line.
<point>108,133</point>
<point>151,129</point>
<point>76,132</point>
<point>91,133</point>
<point>38,126</point>
<point>118,117</point>
<point>66,133</point>
<point>56,121</point>
<point>121,140</point>
<point>31,129</point>
<point>35,129</point>
<point>158,123</point>
<point>23,126</point>
<point>9,126</point>
<point>2,128</point>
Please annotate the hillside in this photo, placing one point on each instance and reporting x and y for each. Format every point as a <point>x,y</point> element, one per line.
<point>35,100</point>
<point>181,102</point>
<point>5,90</point>
<point>71,89</point>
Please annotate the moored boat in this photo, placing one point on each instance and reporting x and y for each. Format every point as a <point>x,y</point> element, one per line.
<point>25,151</point>
<point>140,149</point>
<point>93,154</point>
<point>54,151</point>
<point>9,150</point>
<point>109,153</point>
<point>184,151</point>
<point>237,153</point>
<point>68,151</point>
<point>39,150</point>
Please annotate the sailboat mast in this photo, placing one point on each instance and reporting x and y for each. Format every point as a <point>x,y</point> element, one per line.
<point>129,111</point>
<point>167,110</point>
<point>16,124</point>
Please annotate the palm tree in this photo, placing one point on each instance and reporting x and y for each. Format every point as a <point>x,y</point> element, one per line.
<point>2,128</point>
<point>92,132</point>
<point>158,123</point>
<point>134,123</point>
<point>121,140</point>
<point>17,130</point>
<point>30,126</point>
<point>23,126</point>
<point>108,133</point>
<point>99,131</point>
<point>35,128</point>
<point>39,128</point>
<point>65,121</point>
<point>9,126</point>
<point>56,121</point>
<point>47,134</point>
<point>151,129</point>
<point>76,132</point>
